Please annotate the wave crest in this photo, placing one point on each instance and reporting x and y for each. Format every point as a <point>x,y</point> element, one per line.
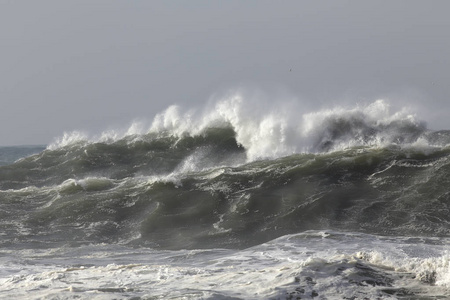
<point>269,130</point>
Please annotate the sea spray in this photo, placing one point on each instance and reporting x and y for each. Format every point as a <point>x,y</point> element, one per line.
<point>272,131</point>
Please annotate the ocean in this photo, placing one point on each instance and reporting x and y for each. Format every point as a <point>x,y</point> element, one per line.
<point>231,202</point>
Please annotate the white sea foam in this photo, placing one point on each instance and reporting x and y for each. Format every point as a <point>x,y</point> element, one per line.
<point>308,265</point>
<point>270,129</point>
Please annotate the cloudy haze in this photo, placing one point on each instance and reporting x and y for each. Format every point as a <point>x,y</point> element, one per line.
<point>94,65</point>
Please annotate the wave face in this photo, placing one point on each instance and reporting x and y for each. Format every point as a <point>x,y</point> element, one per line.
<point>229,178</point>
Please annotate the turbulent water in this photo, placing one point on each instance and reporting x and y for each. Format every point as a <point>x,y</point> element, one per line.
<point>232,203</point>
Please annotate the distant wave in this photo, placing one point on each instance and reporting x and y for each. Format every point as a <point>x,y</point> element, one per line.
<point>10,154</point>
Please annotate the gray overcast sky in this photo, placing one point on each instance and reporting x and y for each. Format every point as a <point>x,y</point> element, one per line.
<point>90,65</point>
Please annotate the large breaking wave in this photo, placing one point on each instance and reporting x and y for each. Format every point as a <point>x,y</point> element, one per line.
<point>348,202</point>
<point>233,176</point>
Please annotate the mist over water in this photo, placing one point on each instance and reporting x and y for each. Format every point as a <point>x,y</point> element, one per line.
<point>347,201</point>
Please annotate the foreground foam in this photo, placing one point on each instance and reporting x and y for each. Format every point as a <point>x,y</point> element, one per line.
<point>351,265</point>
